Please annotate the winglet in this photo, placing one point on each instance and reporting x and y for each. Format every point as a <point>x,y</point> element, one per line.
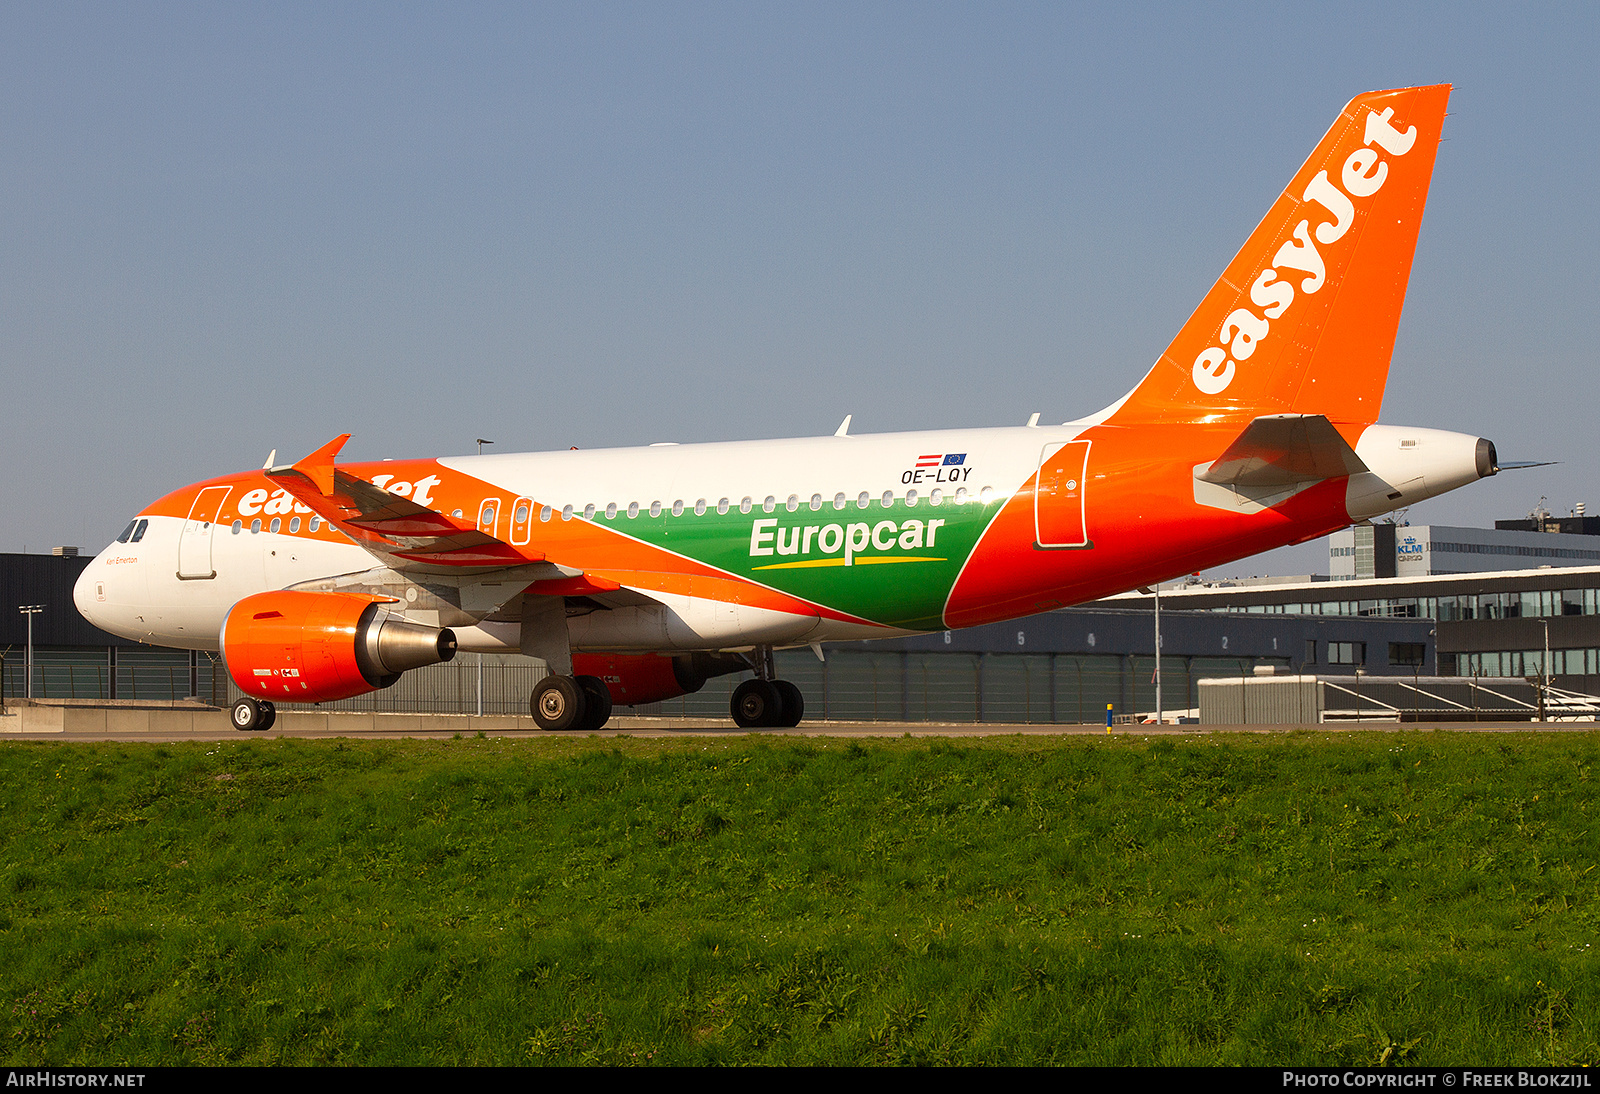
<point>318,467</point>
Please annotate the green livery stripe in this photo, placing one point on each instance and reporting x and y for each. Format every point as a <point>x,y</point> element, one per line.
<point>872,563</point>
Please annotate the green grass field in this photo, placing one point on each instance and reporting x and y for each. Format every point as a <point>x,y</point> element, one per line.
<point>1318,898</point>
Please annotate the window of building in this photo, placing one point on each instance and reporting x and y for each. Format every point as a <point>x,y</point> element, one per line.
<point>1407,653</point>
<point>1347,653</point>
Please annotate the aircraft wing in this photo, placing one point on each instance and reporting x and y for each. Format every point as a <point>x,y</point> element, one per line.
<point>430,549</point>
<point>402,533</point>
<point>1284,450</point>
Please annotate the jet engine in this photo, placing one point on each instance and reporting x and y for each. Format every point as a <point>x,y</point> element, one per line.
<point>305,647</point>
<point>638,678</point>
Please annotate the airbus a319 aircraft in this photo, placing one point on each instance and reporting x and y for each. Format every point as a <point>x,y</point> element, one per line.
<point>638,573</point>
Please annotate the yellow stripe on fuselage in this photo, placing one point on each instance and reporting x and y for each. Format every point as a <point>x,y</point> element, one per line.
<point>858,560</point>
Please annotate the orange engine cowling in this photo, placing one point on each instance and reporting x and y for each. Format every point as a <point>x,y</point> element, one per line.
<point>315,647</point>
<point>634,679</point>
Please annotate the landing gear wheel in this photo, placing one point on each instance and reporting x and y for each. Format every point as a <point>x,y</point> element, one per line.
<point>269,715</point>
<point>247,715</point>
<point>596,701</point>
<point>558,703</point>
<point>794,704</point>
<point>756,703</point>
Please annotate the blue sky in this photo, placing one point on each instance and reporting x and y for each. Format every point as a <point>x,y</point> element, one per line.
<point>226,229</point>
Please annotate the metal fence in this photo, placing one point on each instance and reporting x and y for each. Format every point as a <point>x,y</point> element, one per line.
<point>125,673</point>
<point>853,684</point>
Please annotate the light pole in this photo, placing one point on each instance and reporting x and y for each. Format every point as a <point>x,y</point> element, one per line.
<point>1156,588</point>
<point>1544,675</point>
<point>481,443</point>
<point>1158,653</point>
<point>30,610</point>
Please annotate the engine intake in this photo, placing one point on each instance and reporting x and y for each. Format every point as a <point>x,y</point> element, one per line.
<point>316,647</point>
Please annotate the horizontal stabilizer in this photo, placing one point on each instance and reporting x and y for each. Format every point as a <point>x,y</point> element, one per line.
<point>1282,450</point>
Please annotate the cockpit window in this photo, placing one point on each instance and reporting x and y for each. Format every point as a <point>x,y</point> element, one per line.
<point>138,533</point>
<point>128,531</point>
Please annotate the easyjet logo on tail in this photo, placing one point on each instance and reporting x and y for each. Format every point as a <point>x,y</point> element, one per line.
<point>1362,176</point>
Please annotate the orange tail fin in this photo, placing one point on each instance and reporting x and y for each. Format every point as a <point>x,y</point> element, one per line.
<point>1303,319</point>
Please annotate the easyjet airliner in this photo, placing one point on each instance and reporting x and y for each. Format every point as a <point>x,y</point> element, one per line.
<point>638,573</point>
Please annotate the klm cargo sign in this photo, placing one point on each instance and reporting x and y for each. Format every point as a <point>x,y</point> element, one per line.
<point>1411,553</point>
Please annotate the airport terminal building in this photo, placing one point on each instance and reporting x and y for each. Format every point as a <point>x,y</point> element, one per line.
<point>1368,551</point>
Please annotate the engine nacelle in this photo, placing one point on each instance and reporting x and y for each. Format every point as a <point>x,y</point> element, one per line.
<point>316,647</point>
<point>635,679</point>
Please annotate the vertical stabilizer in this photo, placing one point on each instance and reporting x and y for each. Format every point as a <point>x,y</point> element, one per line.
<point>1303,320</point>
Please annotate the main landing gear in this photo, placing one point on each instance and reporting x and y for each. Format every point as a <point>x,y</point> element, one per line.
<point>253,714</point>
<point>571,702</point>
<point>766,702</point>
